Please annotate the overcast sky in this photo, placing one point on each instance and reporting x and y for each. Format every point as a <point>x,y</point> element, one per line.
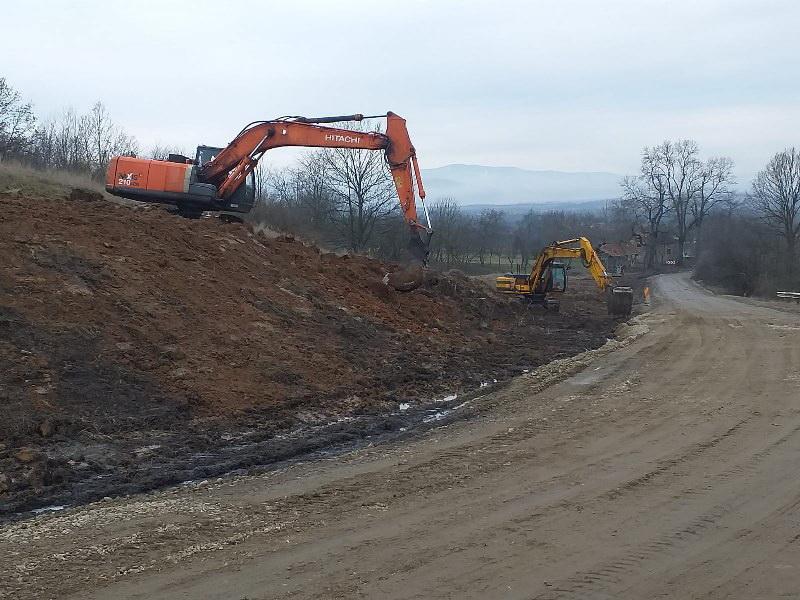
<point>566,85</point>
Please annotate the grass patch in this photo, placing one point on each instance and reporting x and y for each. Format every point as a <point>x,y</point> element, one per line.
<point>44,183</point>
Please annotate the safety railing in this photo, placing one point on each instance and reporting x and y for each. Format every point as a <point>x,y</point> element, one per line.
<point>789,296</point>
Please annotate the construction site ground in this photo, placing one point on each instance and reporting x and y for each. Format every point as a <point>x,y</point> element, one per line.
<point>662,465</point>
<point>140,350</point>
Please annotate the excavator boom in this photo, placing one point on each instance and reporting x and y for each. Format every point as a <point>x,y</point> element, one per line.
<point>230,167</point>
<point>568,249</point>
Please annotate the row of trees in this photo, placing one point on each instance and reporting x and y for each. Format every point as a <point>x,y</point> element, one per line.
<point>754,248</point>
<point>747,241</point>
<point>776,200</point>
<point>75,142</point>
<point>493,237</point>
<point>345,198</point>
<point>676,187</point>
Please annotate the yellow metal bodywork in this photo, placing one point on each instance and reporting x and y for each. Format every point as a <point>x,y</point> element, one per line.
<point>581,247</point>
<point>509,284</point>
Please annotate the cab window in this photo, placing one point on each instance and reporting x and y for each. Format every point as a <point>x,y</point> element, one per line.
<point>559,279</point>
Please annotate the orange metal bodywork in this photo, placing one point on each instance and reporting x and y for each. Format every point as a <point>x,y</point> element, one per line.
<point>231,166</point>
<point>147,175</point>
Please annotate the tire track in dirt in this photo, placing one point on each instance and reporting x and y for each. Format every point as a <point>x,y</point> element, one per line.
<point>607,579</point>
<point>602,578</point>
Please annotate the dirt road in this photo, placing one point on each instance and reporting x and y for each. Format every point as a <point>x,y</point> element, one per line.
<point>666,469</point>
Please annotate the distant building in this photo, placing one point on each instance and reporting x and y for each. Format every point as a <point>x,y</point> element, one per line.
<point>667,251</point>
<point>618,256</point>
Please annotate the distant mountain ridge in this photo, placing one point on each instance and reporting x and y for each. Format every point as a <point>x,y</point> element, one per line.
<point>521,208</point>
<point>479,184</point>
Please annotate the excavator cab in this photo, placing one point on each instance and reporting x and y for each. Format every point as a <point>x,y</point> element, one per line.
<point>556,278</point>
<point>552,284</point>
<point>243,199</point>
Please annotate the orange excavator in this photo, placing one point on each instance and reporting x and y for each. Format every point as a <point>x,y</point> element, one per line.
<point>221,179</point>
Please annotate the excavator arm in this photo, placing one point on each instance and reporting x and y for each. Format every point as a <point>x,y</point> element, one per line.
<point>230,168</point>
<point>568,249</point>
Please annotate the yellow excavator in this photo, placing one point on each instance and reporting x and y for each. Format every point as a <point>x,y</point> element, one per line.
<point>548,277</point>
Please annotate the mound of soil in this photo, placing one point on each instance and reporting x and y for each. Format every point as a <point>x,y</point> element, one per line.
<point>136,347</point>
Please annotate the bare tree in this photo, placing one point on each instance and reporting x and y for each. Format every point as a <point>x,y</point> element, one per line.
<point>681,168</point>
<point>694,187</point>
<point>674,180</point>
<point>101,134</point>
<point>489,235</point>
<point>315,195</point>
<point>80,143</point>
<point>714,188</point>
<point>17,122</point>
<point>449,220</point>
<point>776,198</point>
<point>261,177</point>
<point>525,242</point>
<point>362,187</point>
<point>282,185</point>
<point>277,201</point>
<point>646,195</point>
<point>162,152</point>
<point>69,143</point>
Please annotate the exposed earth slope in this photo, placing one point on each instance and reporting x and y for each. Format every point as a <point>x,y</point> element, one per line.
<point>139,349</point>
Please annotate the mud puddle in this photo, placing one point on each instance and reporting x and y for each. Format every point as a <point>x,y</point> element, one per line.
<point>244,451</point>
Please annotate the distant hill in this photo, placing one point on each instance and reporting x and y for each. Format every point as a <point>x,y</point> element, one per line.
<point>477,184</point>
<point>521,208</point>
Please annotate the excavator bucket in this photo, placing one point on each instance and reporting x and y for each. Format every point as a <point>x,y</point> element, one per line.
<point>620,301</point>
<point>417,248</point>
<point>413,276</point>
<point>406,279</point>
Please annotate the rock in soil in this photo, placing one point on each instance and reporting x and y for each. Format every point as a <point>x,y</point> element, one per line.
<point>85,195</point>
<point>27,455</point>
<point>47,428</point>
